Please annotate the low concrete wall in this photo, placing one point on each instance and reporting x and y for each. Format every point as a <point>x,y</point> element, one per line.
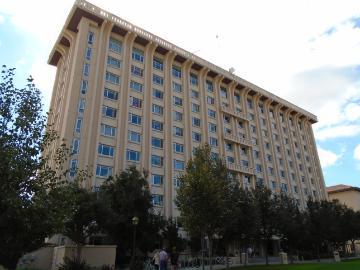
<point>95,256</point>
<point>38,259</point>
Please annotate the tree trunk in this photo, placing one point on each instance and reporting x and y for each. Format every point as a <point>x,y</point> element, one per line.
<point>78,252</point>
<point>202,251</point>
<point>266,251</point>
<point>227,257</point>
<point>210,253</point>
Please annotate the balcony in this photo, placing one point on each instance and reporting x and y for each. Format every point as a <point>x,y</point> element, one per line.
<point>239,168</point>
<point>233,113</point>
<point>238,139</point>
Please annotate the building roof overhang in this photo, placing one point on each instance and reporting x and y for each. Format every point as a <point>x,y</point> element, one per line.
<point>85,9</point>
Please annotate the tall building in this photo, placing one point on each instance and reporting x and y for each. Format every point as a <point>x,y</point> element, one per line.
<point>123,96</point>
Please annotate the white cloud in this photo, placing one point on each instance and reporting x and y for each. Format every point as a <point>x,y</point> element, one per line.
<point>44,76</point>
<point>339,131</point>
<point>328,158</point>
<point>352,111</point>
<point>357,152</point>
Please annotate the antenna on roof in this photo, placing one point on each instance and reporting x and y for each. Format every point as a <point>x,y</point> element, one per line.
<point>232,70</point>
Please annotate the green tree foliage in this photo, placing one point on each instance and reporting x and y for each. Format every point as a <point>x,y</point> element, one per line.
<point>170,234</point>
<point>203,195</point>
<point>127,195</point>
<point>24,219</point>
<point>79,212</point>
<point>266,206</point>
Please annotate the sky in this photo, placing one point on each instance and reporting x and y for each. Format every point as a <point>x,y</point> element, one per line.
<point>305,51</point>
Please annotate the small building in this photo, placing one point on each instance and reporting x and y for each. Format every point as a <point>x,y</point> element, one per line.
<point>348,195</point>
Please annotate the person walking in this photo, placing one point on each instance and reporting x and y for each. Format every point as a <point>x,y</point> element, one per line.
<point>163,259</point>
<point>156,260</point>
<point>174,259</point>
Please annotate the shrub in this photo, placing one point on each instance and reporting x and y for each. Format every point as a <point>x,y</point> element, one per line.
<point>74,264</point>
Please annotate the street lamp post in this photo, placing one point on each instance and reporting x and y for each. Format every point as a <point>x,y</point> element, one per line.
<point>135,222</point>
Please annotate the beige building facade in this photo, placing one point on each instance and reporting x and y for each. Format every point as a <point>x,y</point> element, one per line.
<point>348,195</point>
<point>123,96</point>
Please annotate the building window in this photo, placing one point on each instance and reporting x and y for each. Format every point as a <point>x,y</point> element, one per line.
<point>107,130</point>
<point>86,69</point>
<point>211,113</point>
<point>158,126</point>
<point>212,127</point>
<point>193,79</point>
<point>158,80</point>
<point>84,87</point>
<point>226,119</point>
<point>196,136</point>
<point>213,142</point>
<point>249,103</point>
<point>195,107</point>
<point>210,100</point>
<point>138,87</point>
<point>81,108</point>
<point>158,94</point>
<point>158,64</point>
<point>271,170</point>
<point>196,121</point>
<point>136,71</point>
<point>78,124</point>
<point>106,150</point>
<point>109,112</point>
<point>157,109</point>
<point>176,87</point>
<point>177,131</point>
<point>230,159</point>
<point>157,161</point>
<point>258,168</point>
<point>75,147</point>
<point>111,94</point>
<point>229,147</point>
<point>134,119</point>
<point>177,101</point>
<point>91,38</point>
<point>178,116</point>
<point>282,173</point>
<point>157,179</point>
<point>157,142</point>
<point>223,92</point>
<point>283,187</point>
<point>237,98</point>
<point>103,171</point>
<point>138,55</point>
<point>179,165</point>
<point>209,86</point>
<point>112,78</point>
<point>115,45</point>
<point>178,147</point>
<point>73,167</point>
<point>134,136</point>
<point>157,200</point>
<point>135,102</point>
<point>176,71</point>
<point>88,53</point>
<point>113,62</point>
<point>194,94</point>
<point>132,155</point>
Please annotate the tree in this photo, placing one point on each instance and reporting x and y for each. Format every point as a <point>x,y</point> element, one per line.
<point>127,195</point>
<point>170,234</point>
<point>24,219</point>
<point>291,223</point>
<point>266,205</point>
<point>203,194</point>
<point>79,211</point>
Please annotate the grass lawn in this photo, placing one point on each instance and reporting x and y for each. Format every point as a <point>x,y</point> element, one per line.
<point>347,265</point>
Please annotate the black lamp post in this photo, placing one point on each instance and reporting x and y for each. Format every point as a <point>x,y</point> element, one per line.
<point>135,222</point>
